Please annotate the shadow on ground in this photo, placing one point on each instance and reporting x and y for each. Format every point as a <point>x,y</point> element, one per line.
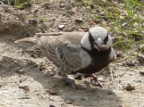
<point>59,93</point>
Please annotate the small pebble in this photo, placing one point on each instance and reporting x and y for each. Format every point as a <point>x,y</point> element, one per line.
<point>142,73</point>
<point>83,98</point>
<point>124,24</point>
<point>52,106</point>
<point>137,37</point>
<point>119,54</point>
<point>110,92</point>
<point>33,22</point>
<point>69,101</point>
<point>46,5</point>
<point>60,27</point>
<point>141,59</point>
<point>28,5</point>
<point>102,13</point>
<point>128,63</point>
<point>25,88</point>
<point>51,92</point>
<point>129,87</point>
<point>141,47</point>
<point>20,70</point>
<point>79,20</point>
<point>62,5</point>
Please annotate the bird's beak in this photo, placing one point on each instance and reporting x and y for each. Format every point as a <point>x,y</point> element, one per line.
<point>103,47</point>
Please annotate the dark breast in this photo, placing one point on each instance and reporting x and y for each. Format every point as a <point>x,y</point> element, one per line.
<point>99,61</point>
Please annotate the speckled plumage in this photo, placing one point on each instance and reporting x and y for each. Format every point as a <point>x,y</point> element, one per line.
<point>63,50</point>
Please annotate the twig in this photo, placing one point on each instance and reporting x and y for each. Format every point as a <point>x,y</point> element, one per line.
<point>111,73</point>
<point>3,3</point>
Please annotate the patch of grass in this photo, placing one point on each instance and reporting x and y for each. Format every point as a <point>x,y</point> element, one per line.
<point>20,4</point>
<point>123,18</point>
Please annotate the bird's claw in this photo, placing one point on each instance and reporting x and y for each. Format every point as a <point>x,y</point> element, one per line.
<point>95,81</point>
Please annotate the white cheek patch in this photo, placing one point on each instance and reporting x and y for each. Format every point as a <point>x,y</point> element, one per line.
<point>85,42</point>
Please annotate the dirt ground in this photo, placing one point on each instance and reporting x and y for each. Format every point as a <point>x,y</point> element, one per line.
<point>26,76</point>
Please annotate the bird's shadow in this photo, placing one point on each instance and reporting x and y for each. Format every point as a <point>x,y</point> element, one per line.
<point>83,97</point>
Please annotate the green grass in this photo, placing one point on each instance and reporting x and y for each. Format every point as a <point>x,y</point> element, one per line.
<point>124,20</point>
<point>19,4</point>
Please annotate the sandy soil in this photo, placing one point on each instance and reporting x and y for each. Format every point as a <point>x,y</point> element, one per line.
<point>26,76</point>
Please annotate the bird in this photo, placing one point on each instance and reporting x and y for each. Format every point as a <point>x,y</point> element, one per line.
<point>76,52</point>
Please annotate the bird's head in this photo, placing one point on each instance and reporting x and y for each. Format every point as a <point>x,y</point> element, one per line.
<point>97,38</point>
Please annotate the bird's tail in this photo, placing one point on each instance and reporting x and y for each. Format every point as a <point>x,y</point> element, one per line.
<point>27,40</point>
<point>36,38</point>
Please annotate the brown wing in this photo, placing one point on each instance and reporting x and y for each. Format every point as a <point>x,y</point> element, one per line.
<point>64,51</point>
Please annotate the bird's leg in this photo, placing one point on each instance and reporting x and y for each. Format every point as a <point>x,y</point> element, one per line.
<point>68,80</point>
<point>95,80</point>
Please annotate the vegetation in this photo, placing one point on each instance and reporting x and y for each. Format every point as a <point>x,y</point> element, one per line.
<point>123,17</point>
<point>20,4</point>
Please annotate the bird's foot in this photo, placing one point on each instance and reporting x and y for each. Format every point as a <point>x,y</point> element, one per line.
<point>69,80</point>
<point>95,81</point>
<point>78,76</point>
